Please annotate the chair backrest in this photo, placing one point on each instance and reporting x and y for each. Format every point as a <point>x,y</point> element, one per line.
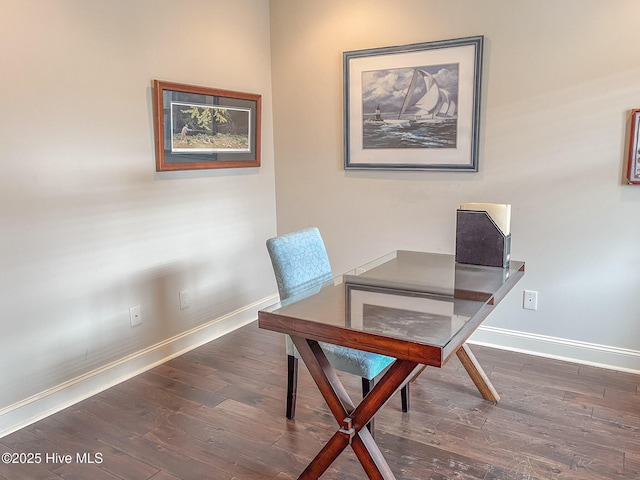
<point>300,261</point>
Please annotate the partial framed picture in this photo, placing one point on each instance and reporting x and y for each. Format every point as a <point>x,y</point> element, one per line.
<point>413,107</point>
<point>202,128</point>
<point>633,166</point>
<point>371,307</point>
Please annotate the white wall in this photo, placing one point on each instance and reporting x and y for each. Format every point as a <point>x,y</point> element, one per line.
<point>88,228</point>
<point>560,78</point>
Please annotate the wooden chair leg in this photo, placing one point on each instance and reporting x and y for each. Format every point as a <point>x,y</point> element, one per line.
<point>292,386</point>
<point>367,385</point>
<point>405,394</point>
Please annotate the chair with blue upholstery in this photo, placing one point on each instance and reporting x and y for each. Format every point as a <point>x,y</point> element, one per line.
<point>300,261</point>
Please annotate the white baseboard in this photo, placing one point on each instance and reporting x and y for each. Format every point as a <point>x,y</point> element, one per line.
<point>562,349</point>
<point>52,400</point>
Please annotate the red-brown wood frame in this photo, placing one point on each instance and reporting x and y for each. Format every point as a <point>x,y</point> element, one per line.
<point>159,87</point>
<point>634,147</point>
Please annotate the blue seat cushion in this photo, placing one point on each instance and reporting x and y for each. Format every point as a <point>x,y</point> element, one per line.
<point>357,362</point>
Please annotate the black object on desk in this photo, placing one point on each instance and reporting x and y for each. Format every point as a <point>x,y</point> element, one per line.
<point>479,241</point>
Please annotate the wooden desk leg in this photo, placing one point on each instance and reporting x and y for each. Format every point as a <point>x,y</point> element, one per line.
<point>475,371</point>
<point>371,457</point>
<point>325,457</point>
<point>352,420</point>
<point>325,376</point>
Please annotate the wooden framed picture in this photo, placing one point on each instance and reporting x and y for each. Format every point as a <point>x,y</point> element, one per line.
<point>201,128</point>
<point>413,107</point>
<point>633,165</point>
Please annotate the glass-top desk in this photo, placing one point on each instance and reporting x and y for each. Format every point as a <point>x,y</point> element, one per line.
<point>417,307</point>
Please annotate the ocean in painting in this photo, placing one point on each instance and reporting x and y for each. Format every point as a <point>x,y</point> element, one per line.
<point>441,133</point>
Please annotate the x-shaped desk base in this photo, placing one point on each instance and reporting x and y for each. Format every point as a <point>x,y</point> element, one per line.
<point>353,419</point>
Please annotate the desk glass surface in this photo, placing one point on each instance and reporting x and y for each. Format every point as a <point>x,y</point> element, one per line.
<point>423,298</point>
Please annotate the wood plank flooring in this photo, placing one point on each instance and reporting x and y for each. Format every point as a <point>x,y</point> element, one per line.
<point>218,413</point>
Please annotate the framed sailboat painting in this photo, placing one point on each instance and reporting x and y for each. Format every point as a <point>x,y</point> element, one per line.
<point>413,107</point>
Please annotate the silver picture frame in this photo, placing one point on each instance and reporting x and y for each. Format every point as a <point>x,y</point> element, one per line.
<point>413,107</point>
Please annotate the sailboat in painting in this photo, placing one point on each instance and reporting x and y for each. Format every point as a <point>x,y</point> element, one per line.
<point>434,105</point>
<point>411,107</point>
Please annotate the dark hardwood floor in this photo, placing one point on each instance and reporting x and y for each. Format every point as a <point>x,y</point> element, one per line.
<point>218,413</point>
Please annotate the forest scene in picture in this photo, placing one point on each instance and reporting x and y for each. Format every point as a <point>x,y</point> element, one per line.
<point>209,129</point>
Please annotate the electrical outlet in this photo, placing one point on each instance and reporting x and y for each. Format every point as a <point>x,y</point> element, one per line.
<point>184,299</point>
<point>530,300</point>
<point>135,316</point>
